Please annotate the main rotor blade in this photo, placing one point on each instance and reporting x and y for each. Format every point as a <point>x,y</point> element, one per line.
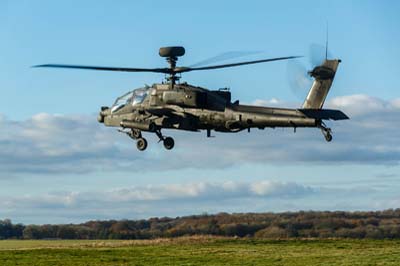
<point>119,69</point>
<point>164,70</point>
<point>299,81</point>
<point>224,56</point>
<point>187,69</point>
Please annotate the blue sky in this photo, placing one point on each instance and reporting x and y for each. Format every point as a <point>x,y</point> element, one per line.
<point>56,159</point>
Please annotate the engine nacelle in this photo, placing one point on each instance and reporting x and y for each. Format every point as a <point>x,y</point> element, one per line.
<point>194,99</point>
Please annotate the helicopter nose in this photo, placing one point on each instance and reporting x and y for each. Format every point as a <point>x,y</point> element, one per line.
<point>100,118</point>
<point>102,114</point>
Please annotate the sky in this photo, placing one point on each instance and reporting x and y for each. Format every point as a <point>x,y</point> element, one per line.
<point>58,165</point>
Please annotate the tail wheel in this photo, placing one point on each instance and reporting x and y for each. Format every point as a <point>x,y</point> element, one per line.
<point>327,134</point>
<point>169,143</point>
<point>141,144</point>
<point>328,137</point>
<point>326,131</point>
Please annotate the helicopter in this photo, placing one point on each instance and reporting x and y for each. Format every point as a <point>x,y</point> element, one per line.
<point>182,106</point>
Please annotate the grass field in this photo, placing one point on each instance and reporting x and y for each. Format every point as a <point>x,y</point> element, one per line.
<point>200,251</point>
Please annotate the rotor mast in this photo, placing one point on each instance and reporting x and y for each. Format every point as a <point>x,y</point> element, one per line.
<point>172,78</point>
<point>172,53</point>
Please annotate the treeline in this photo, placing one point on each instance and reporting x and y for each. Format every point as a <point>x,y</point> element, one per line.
<point>303,224</point>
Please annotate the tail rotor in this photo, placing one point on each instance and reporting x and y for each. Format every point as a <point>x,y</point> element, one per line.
<point>298,72</point>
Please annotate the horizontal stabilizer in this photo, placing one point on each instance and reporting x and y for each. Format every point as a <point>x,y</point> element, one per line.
<point>324,114</point>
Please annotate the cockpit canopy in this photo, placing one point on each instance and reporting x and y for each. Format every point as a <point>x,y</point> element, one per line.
<point>133,98</point>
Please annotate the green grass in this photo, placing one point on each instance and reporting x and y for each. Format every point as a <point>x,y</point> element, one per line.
<point>200,251</point>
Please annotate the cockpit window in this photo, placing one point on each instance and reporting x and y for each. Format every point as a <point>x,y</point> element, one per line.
<point>139,95</point>
<point>134,97</point>
<point>122,101</point>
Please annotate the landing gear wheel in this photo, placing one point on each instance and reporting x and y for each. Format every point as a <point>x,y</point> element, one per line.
<point>169,143</point>
<point>328,137</point>
<point>327,134</point>
<point>136,133</point>
<point>141,144</point>
<point>326,131</point>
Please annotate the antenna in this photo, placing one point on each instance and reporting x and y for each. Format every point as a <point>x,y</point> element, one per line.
<point>326,42</point>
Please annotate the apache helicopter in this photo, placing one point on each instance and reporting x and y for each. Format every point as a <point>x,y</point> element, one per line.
<point>174,105</point>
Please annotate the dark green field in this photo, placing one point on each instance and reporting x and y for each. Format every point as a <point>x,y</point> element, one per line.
<point>200,251</point>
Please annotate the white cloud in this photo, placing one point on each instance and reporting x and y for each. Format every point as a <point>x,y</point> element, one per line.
<point>395,103</point>
<point>206,190</point>
<point>170,192</point>
<point>361,105</point>
<point>270,102</point>
<point>149,200</point>
<point>273,188</point>
<point>55,143</point>
<point>146,201</point>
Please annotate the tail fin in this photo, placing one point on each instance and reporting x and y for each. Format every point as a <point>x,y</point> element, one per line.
<point>323,77</point>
